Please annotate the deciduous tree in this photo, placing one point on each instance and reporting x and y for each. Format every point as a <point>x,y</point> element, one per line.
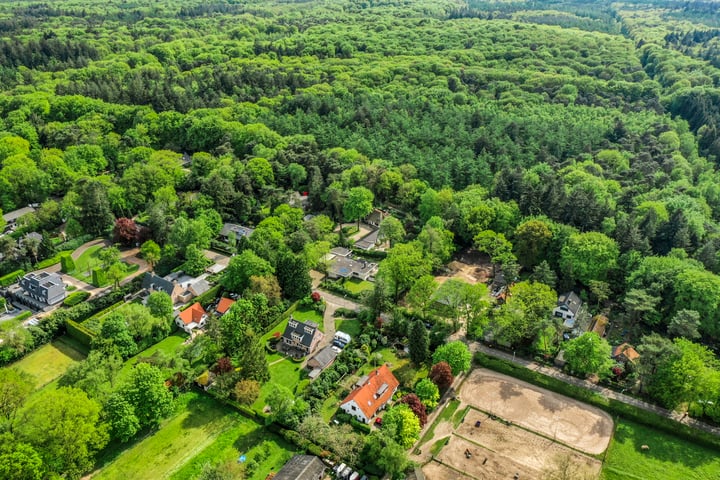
<point>441,375</point>
<point>456,354</point>
<point>428,393</point>
<point>358,205</point>
<point>589,354</point>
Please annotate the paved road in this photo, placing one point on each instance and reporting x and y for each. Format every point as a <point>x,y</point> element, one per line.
<point>606,392</point>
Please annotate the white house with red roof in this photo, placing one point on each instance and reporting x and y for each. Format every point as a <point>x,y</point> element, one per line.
<point>372,394</point>
<point>192,317</point>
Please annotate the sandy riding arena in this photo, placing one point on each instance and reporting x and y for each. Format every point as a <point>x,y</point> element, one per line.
<point>510,427</point>
<point>567,421</point>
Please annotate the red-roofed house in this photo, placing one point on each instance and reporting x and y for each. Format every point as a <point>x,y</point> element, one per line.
<point>374,392</point>
<point>192,317</point>
<point>625,353</point>
<point>224,305</point>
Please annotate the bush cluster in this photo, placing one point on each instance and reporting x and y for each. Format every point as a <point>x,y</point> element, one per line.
<point>75,298</point>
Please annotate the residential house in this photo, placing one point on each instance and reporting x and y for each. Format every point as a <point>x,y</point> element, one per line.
<point>376,391</point>
<point>376,217</point>
<point>239,231</point>
<point>193,288</point>
<point>191,318</point>
<point>302,337</point>
<point>224,305</point>
<point>568,308</point>
<point>625,353</point>
<point>43,287</point>
<point>154,283</point>
<point>369,241</point>
<point>323,359</point>
<point>340,252</point>
<point>302,467</point>
<point>11,218</point>
<point>598,325</point>
<point>345,267</point>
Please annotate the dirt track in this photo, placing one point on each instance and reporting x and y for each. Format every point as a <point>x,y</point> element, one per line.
<point>573,423</point>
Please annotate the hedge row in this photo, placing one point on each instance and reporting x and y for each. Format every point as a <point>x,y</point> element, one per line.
<point>336,287</point>
<point>49,262</point>
<point>23,316</point>
<point>610,405</point>
<point>305,444</point>
<point>80,333</point>
<point>206,298</point>
<point>375,254</point>
<point>75,243</point>
<point>10,278</point>
<point>75,298</point>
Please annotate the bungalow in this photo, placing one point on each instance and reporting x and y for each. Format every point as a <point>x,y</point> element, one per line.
<point>192,289</point>
<point>345,267</point>
<point>302,467</point>
<point>369,241</point>
<point>301,336</point>
<point>376,217</point>
<point>11,218</point>
<point>376,391</point>
<point>192,317</point>
<point>233,229</point>
<point>625,353</point>
<point>568,307</point>
<point>224,305</point>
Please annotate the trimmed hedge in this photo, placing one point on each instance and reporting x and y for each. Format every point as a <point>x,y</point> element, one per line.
<point>98,277</point>
<point>335,287</point>
<point>49,262</point>
<point>610,405</point>
<point>75,242</point>
<point>80,333</point>
<point>75,298</point>
<point>67,264</point>
<point>206,298</point>
<point>10,278</point>
<point>23,316</point>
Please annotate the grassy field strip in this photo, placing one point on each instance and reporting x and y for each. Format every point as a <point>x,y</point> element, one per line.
<point>50,361</point>
<point>168,345</point>
<point>179,439</point>
<point>669,457</point>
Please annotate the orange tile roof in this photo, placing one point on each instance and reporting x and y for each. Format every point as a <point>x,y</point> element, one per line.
<point>625,349</point>
<point>224,305</point>
<point>365,396</point>
<point>192,314</point>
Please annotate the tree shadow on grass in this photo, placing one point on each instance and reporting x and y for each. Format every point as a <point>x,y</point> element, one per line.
<point>203,410</point>
<point>664,447</point>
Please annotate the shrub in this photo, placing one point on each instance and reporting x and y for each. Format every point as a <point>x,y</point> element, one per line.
<point>10,278</point>
<point>49,262</point>
<point>345,312</point>
<point>75,298</point>
<point>67,264</point>
<point>80,333</point>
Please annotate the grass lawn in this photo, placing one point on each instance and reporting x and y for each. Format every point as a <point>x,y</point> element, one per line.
<point>350,326</point>
<point>355,285</point>
<point>280,328</point>
<point>330,406</point>
<point>668,457</point>
<point>168,346</point>
<point>86,262</point>
<point>50,361</point>
<point>244,437</point>
<point>199,425</point>
<point>308,315</point>
<point>444,416</point>
<point>286,373</point>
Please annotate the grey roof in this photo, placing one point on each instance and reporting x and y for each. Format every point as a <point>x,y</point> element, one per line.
<point>368,241</point>
<point>323,358</point>
<point>34,235</point>
<point>238,230</point>
<point>153,282</point>
<point>301,467</point>
<point>200,286</point>
<point>346,268</point>
<point>15,214</point>
<point>298,327</point>
<point>340,252</point>
<point>571,300</point>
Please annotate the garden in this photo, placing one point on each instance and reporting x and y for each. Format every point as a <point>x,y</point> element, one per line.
<point>86,267</point>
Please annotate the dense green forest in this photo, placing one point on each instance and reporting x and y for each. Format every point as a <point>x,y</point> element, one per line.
<point>576,143</point>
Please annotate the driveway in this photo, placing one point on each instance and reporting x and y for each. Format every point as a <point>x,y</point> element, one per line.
<point>332,303</point>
